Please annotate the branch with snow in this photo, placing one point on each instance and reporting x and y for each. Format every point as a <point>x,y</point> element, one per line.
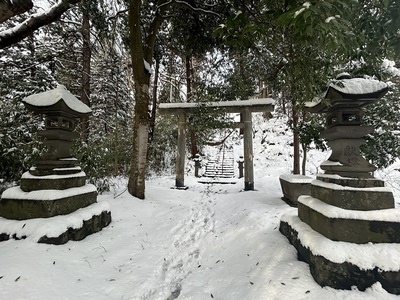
<point>19,32</point>
<point>191,7</point>
<point>305,6</point>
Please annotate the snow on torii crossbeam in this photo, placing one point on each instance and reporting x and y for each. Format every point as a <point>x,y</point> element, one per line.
<point>244,107</point>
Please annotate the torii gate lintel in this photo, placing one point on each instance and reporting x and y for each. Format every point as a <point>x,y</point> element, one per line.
<point>244,107</point>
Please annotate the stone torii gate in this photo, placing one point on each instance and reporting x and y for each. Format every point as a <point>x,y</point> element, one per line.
<point>244,107</point>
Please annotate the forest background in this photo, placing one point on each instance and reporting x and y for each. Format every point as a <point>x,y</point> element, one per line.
<point>123,58</point>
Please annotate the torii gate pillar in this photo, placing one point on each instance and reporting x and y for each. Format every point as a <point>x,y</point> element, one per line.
<point>180,159</point>
<point>248,150</point>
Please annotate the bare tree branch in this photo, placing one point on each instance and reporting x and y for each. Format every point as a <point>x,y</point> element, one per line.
<point>121,12</point>
<point>191,7</point>
<point>11,8</point>
<point>217,143</point>
<point>19,32</point>
<point>196,9</point>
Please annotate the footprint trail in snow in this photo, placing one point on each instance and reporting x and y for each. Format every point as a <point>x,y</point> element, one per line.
<point>183,255</point>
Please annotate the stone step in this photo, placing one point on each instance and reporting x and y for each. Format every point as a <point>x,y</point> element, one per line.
<point>351,197</point>
<point>360,227</point>
<point>327,270</point>
<point>19,205</point>
<point>221,166</point>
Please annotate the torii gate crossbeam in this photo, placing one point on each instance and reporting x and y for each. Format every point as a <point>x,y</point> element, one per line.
<point>244,107</point>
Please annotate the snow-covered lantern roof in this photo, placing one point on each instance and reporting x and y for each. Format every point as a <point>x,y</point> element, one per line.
<point>345,97</point>
<point>59,106</point>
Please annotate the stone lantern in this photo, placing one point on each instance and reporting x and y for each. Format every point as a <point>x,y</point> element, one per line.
<point>348,209</point>
<point>344,133</point>
<point>56,185</point>
<point>61,111</point>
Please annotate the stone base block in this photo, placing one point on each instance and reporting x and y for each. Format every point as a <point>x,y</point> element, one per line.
<point>351,197</point>
<point>376,226</point>
<point>351,182</point>
<point>343,265</point>
<point>59,229</point>
<point>93,225</point>
<point>19,205</point>
<point>31,183</point>
<point>294,186</point>
<point>59,166</point>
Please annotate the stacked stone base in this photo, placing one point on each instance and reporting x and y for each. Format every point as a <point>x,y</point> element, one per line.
<point>341,227</point>
<point>328,271</point>
<point>84,222</point>
<point>61,198</point>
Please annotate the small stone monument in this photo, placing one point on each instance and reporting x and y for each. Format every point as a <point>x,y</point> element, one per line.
<point>56,186</point>
<point>197,164</point>
<point>240,163</point>
<point>343,228</point>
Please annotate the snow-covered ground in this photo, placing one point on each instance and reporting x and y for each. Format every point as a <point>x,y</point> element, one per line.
<point>208,242</point>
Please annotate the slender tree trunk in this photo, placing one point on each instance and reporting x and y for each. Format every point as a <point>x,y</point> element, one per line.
<point>304,160</point>
<point>31,47</point>
<point>116,134</point>
<point>189,83</point>
<point>154,106</point>
<point>283,104</point>
<point>296,140</point>
<point>86,57</point>
<point>304,146</point>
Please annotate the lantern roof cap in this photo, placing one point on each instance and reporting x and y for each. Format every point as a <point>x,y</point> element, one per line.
<point>51,100</point>
<point>354,88</point>
<point>348,92</point>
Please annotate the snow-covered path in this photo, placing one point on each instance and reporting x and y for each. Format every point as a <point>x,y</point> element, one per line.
<point>208,242</point>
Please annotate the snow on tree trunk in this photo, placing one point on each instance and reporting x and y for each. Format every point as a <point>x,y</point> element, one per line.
<point>22,30</point>
<point>141,51</point>
<point>136,185</point>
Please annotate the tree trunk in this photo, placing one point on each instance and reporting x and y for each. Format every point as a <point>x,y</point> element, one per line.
<point>141,56</point>
<point>304,161</point>
<point>32,50</point>
<point>283,105</point>
<point>136,184</point>
<point>189,95</point>
<point>117,130</point>
<point>296,140</point>
<point>86,57</point>
<point>304,147</point>
<point>154,106</point>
